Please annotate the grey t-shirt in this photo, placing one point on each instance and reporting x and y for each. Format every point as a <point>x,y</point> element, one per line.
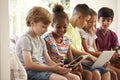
<point>37,48</point>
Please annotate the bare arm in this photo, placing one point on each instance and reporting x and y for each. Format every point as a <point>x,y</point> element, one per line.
<point>94,46</point>
<point>85,46</point>
<point>96,50</point>
<point>78,53</point>
<point>30,65</point>
<point>69,55</point>
<point>49,52</point>
<point>48,59</point>
<point>54,58</point>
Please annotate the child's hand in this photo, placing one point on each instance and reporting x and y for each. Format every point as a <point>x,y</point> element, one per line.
<point>116,56</point>
<point>107,63</point>
<point>92,58</point>
<point>60,68</point>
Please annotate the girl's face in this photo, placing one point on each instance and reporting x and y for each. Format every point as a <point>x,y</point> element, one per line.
<point>39,28</point>
<point>91,23</point>
<point>104,23</point>
<point>60,27</point>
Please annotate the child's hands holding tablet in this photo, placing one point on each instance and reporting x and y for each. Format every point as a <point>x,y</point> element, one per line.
<point>77,61</point>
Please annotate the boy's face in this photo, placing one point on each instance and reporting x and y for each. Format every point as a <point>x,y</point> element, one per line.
<point>83,21</point>
<point>60,27</point>
<point>39,28</point>
<point>104,22</point>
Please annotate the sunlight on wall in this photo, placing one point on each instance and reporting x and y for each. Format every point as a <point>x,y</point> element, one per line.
<point>18,10</point>
<point>118,26</point>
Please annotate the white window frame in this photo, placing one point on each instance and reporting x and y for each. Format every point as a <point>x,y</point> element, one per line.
<point>4,41</point>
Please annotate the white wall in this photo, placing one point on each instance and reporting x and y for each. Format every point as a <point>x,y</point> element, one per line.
<point>97,4</point>
<point>4,41</point>
<point>118,25</point>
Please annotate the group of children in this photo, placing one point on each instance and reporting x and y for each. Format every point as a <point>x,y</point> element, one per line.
<point>45,56</point>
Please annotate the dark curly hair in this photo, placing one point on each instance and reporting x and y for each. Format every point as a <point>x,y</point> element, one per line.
<point>58,12</point>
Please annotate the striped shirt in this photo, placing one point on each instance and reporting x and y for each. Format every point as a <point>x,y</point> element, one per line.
<point>57,49</point>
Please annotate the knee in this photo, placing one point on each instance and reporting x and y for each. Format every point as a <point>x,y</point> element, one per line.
<point>76,77</point>
<point>96,72</point>
<point>73,77</point>
<point>63,78</point>
<point>107,74</point>
<point>87,75</point>
<point>87,72</point>
<point>57,77</point>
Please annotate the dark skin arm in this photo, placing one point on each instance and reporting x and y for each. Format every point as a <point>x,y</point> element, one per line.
<point>69,55</point>
<point>56,59</point>
<point>85,46</point>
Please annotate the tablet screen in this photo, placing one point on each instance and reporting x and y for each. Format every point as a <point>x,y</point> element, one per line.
<point>77,61</point>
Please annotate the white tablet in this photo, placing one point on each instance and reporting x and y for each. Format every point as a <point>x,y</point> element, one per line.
<point>103,58</point>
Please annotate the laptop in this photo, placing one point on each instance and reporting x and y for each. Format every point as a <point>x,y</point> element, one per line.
<point>102,59</point>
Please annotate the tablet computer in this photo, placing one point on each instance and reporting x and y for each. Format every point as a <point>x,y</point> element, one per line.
<point>103,58</point>
<point>77,61</point>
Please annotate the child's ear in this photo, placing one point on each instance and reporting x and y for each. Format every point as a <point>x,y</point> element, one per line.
<point>79,16</point>
<point>32,23</point>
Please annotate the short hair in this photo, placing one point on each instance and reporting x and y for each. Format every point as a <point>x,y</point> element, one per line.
<point>38,14</point>
<point>81,8</point>
<point>58,12</point>
<point>105,12</point>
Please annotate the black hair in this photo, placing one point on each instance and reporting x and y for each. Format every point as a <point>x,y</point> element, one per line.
<point>58,12</point>
<point>105,12</point>
<point>82,8</point>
